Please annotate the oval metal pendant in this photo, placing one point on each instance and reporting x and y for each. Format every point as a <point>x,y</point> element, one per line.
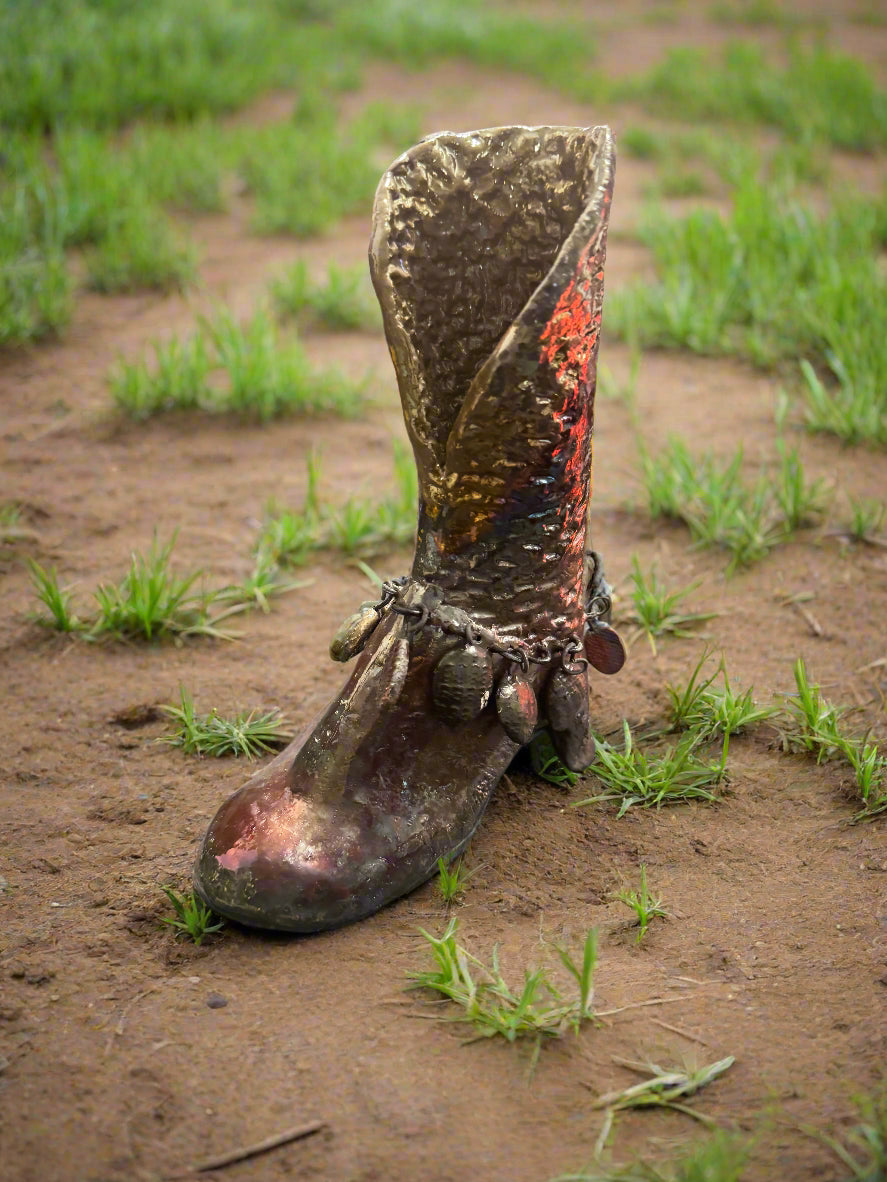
<point>462,682</point>
<point>604,648</point>
<point>353,634</point>
<point>517,708</point>
<point>575,749</point>
<point>566,701</point>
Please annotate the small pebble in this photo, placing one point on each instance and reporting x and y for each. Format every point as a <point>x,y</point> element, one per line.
<point>215,1001</point>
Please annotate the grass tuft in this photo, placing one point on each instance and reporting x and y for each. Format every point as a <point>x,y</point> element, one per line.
<point>229,368</point>
<point>811,723</point>
<point>721,509</point>
<point>640,779</point>
<point>140,251</point>
<point>711,712</point>
<point>538,1009</point>
<point>342,303</point>
<point>55,598</point>
<point>192,916</point>
<point>776,280</point>
<point>452,878</point>
<point>655,609</point>
<point>290,536</point>
<point>722,1157</point>
<point>151,601</point>
<point>819,94</point>
<point>645,905</point>
<point>547,764</point>
<point>250,733</point>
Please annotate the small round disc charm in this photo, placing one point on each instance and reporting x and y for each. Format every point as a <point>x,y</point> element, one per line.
<point>604,648</point>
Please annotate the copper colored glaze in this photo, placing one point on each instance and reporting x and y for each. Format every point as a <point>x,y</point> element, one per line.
<point>604,648</point>
<point>487,256</point>
<point>517,707</point>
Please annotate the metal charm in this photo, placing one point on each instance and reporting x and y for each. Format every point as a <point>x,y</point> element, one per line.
<point>604,648</point>
<point>353,633</point>
<point>566,705</point>
<point>517,708</point>
<point>463,678</point>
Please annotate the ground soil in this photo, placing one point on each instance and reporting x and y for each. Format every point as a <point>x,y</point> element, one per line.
<point>114,1065</point>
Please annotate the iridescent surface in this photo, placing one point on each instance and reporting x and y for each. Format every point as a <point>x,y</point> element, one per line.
<point>487,256</point>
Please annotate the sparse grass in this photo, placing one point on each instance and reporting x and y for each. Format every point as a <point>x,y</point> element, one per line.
<point>104,65</point>
<point>775,280</point>
<point>537,1009</point>
<point>645,905</point>
<point>722,1157</point>
<point>250,733</point>
<point>865,521</point>
<point>755,13</point>
<point>228,368</point>
<point>35,286</point>
<point>666,1087</point>
<point>656,610</point>
<point>357,526</point>
<point>863,1148</point>
<point>818,94</point>
<point>178,379</point>
<point>140,251</point>
<point>803,502</point>
<point>55,598</point>
<point>711,712</point>
<point>640,779</point>
<point>183,165</point>
<point>870,773</point>
<point>452,879</point>
<point>546,762</point>
<point>305,177</point>
<point>152,602</point>
<point>342,303</point>
<point>722,509</point>
<point>192,916</point>
<point>811,723</point>
<point>556,53</point>
<point>263,584</point>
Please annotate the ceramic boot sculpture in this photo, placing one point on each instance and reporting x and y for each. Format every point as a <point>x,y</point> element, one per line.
<point>487,256</point>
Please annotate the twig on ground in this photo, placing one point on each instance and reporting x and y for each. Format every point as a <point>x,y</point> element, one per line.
<point>246,1151</point>
<point>678,1030</point>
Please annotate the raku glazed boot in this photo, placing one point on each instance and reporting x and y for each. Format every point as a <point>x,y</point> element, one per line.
<point>487,256</point>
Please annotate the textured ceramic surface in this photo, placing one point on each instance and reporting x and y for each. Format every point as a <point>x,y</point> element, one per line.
<point>487,256</point>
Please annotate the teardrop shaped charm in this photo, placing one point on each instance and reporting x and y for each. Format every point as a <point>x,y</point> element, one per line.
<point>353,633</point>
<point>463,678</point>
<point>576,751</point>
<point>604,648</point>
<point>517,708</point>
<point>566,701</point>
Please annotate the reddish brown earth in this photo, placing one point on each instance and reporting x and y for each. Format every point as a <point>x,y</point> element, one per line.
<point>114,1066</point>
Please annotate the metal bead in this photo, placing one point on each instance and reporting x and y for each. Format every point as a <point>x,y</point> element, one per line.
<point>517,708</point>
<point>463,679</point>
<point>353,633</point>
<point>604,648</point>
